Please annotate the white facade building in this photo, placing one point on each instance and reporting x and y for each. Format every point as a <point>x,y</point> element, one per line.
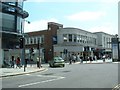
<point>104,41</point>
<point>74,40</point>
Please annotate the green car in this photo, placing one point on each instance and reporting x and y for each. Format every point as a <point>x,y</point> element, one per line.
<point>57,61</point>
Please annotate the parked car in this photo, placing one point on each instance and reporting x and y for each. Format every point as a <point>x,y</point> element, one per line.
<point>57,61</point>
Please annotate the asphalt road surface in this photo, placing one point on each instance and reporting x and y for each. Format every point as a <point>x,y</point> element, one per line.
<point>71,76</point>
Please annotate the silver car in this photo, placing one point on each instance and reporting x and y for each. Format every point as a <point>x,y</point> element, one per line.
<point>57,61</point>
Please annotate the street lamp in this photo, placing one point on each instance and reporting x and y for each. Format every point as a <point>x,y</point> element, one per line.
<point>23,49</point>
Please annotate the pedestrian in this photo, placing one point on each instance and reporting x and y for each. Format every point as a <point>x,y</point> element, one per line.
<point>70,59</point>
<point>95,58</point>
<point>38,62</point>
<point>78,58</point>
<point>90,59</point>
<point>81,58</point>
<point>103,58</point>
<point>74,58</point>
<point>18,62</point>
<point>12,61</point>
<point>26,60</point>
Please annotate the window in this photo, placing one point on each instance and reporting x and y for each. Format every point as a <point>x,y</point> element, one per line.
<point>70,37</point>
<point>65,37</point>
<point>8,22</point>
<point>27,40</point>
<point>75,38</point>
<point>35,40</point>
<point>31,41</point>
<point>78,38</point>
<point>42,39</point>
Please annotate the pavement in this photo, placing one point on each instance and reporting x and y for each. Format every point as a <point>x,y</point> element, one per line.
<point>4,72</point>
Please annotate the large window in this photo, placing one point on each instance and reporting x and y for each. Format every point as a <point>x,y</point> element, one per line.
<point>8,22</point>
<point>75,38</point>
<point>19,25</point>
<point>65,37</point>
<point>70,37</point>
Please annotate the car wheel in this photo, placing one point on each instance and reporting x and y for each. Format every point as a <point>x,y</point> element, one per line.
<point>63,65</point>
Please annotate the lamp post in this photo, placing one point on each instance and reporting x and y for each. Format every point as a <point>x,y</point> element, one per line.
<point>23,48</point>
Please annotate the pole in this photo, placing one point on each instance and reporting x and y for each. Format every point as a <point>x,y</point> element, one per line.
<point>39,53</point>
<point>24,53</point>
<point>23,49</point>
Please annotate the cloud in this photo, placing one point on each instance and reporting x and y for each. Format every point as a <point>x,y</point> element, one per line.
<point>106,27</point>
<point>38,25</point>
<point>98,1</point>
<point>86,16</point>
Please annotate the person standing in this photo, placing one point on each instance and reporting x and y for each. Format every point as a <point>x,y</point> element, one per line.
<point>104,58</point>
<point>38,62</point>
<point>78,58</point>
<point>74,58</point>
<point>12,62</point>
<point>70,59</point>
<point>18,62</point>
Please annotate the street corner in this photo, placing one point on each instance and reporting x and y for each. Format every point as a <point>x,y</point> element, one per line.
<point>27,71</point>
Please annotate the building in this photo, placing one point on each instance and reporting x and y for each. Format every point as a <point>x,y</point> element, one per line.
<point>59,41</point>
<point>104,45</point>
<point>75,41</point>
<point>45,38</point>
<point>12,18</point>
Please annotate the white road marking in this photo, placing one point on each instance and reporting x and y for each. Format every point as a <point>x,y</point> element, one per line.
<point>116,87</point>
<point>48,76</point>
<point>27,74</point>
<point>58,78</point>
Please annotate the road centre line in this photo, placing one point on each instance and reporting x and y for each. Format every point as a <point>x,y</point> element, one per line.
<point>50,80</point>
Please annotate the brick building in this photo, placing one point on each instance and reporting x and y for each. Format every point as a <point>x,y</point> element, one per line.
<point>46,38</point>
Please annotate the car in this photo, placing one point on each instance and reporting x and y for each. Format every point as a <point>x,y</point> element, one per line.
<point>57,61</point>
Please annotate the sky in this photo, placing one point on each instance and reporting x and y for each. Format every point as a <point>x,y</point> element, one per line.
<point>89,15</point>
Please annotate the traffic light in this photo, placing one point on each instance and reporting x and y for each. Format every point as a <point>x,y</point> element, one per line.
<point>21,40</point>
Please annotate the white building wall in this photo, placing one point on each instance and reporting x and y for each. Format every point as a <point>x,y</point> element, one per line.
<point>75,31</point>
<point>104,40</point>
<point>74,47</point>
<point>71,49</point>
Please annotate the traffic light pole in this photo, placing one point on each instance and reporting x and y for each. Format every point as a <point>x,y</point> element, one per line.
<point>39,53</point>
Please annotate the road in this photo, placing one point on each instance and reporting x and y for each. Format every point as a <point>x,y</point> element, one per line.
<point>71,76</point>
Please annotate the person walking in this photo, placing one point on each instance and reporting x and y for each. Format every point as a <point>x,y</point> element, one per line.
<point>70,59</point>
<point>12,62</point>
<point>38,62</point>
<point>18,62</point>
<point>104,58</point>
<point>78,58</point>
<point>74,58</point>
